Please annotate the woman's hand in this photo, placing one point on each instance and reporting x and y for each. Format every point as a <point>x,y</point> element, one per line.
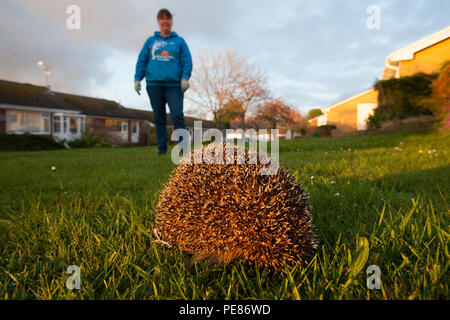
<point>184,84</point>
<point>137,86</point>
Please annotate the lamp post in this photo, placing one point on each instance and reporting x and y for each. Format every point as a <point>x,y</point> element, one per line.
<point>47,72</point>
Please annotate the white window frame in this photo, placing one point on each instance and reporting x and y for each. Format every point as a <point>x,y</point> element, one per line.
<point>42,115</point>
<point>124,127</point>
<point>69,127</point>
<point>60,120</point>
<point>47,116</point>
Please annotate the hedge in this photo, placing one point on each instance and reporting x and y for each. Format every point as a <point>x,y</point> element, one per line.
<point>27,141</point>
<point>403,97</point>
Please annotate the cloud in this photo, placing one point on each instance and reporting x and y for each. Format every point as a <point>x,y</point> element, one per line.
<point>312,52</point>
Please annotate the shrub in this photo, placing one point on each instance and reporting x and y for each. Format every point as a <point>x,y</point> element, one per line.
<point>89,140</point>
<point>439,102</point>
<point>27,141</point>
<point>314,113</point>
<point>152,135</point>
<point>376,119</point>
<point>403,97</point>
<point>324,130</point>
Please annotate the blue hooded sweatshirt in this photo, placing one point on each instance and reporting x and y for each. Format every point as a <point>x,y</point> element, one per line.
<point>164,60</point>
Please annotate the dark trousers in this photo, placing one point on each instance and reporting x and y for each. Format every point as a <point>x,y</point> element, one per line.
<point>159,96</point>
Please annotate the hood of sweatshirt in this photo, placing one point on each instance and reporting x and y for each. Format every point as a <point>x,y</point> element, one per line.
<point>173,34</point>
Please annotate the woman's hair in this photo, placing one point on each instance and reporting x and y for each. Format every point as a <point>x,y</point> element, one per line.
<point>164,13</point>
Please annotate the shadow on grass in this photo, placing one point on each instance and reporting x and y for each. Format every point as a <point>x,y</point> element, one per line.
<point>365,142</point>
<point>351,206</point>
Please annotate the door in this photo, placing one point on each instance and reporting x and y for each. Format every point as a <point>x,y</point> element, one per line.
<point>322,120</point>
<point>135,132</point>
<point>364,111</point>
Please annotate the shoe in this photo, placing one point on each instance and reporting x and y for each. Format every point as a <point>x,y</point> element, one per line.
<point>162,152</point>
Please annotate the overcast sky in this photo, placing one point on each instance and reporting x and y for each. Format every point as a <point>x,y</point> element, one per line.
<point>313,52</point>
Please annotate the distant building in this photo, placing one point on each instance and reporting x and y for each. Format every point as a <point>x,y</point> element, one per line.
<point>426,55</point>
<point>26,108</point>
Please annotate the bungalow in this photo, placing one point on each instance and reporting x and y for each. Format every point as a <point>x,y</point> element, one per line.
<point>426,55</point>
<point>26,108</point>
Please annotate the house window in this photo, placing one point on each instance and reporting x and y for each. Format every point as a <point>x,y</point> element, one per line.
<point>89,124</point>
<point>64,124</point>
<point>45,122</point>
<point>117,125</point>
<point>13,118</point>
<point>73,125</point>
<point>24,118</point>
<point>113,124</point>
<point>28,121</point>
<point>124,126</point>
<point>57,124</point>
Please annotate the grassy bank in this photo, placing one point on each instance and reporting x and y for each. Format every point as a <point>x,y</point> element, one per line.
<point>377,200</point>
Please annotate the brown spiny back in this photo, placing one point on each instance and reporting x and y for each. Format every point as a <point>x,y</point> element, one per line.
<point>223,212</point>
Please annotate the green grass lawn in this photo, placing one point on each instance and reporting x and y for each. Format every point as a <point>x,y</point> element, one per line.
<point>376,200</point>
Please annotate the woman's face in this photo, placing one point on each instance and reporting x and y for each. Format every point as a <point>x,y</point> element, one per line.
<point>165,24</point>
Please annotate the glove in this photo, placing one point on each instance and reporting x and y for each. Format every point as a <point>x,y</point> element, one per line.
<point>137,87</point>
<point>184,84</point>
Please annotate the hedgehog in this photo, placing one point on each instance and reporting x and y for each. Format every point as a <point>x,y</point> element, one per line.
<point>230,211</point>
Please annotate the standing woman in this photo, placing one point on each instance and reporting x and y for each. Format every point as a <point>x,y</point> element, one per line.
<point>166,63</point>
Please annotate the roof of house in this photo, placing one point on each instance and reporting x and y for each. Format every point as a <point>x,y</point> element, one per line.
<point>392,61</point>
<point>24,94</point>
<point>324,110</point>
<point>407,53</point>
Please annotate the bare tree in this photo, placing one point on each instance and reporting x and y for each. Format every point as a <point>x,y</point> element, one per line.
<point>223,77</point>
<point>251,121</point>
<point>252,89</point>
<point>274,113</point>
<point>295,122</point>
